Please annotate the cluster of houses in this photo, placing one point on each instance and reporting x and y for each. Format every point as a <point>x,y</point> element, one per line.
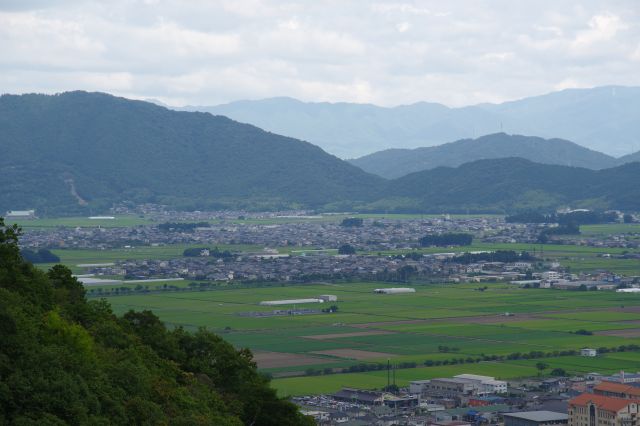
<point>474,400</point>
<point>379,234</point>
<point>275,267</point>
<point>310,243</point>
<point>312,266</point>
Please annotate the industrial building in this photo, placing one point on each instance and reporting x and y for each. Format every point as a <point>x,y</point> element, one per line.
<point>486,385</point>
<point>462,385</point>
<point>449,388</point>
<point>535,418</point>
<point>394,290</point>
<point>20,214</point>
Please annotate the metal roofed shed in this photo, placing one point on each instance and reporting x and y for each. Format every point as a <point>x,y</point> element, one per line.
<point>394,290</point>
<point>328,297</point>
<point>289,302</point>
<point>535,418</point>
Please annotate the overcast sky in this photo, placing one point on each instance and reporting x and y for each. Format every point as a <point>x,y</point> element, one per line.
<point>383,52</point>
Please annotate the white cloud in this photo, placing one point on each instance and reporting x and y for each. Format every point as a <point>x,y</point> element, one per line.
<point>602,28</point>
<point>386,52</point>
<point>403,27</point>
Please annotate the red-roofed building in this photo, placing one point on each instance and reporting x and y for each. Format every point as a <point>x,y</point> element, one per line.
<point>598,410</point>
<point>617,390</point>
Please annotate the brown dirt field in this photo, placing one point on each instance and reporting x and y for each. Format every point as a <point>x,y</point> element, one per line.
<point>354,354</point>
<point>280,359</point>
<point>352,334</point>
<point>398,322</point>
<point>479,319</point>
<point>629,332</point>
<point>496,319</point>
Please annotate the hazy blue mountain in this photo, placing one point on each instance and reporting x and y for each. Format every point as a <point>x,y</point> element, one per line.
<point>67,152</point>
<point>393,163</point>
<point>605,119</point>
<point>629,158</point>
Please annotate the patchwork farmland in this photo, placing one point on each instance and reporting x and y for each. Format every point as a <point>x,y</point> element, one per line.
<point>438,331</point>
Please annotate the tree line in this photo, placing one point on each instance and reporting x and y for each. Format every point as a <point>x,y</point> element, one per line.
<point>572,218</point>
<point>447,239</point>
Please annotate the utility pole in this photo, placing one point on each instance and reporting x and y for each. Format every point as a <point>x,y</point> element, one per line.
<point>388,373</point>
<point>394,377</point>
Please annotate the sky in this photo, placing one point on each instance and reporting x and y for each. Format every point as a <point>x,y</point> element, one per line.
<point>196,52</point>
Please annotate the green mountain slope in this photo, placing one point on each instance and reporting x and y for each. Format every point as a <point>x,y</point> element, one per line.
<point>513,184</point>
<point>64,360</point>
<point>64,150</point>
<point>394,163</point>
<point>79,152</point>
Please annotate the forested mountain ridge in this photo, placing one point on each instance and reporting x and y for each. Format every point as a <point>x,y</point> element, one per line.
<point>78,153</point>
<point>74,149</point>
<point>513,184</point>
<point>605,119</point>
<point>394,163</point>
<point>64,360</point>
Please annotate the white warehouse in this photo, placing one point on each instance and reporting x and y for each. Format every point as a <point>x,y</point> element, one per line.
<point>394,290</point>
<point>290,302</point>
<point>328,297</point>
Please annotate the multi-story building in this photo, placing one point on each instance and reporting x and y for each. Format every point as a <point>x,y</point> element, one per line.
<point>449,388</point>
<point>486,385</point>
<point>462,385</point>
<point>598,410</point>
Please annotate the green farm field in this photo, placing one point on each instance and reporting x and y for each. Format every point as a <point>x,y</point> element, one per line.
<point>131,220</point>
<point>610,228</point>
<point>84,222</point>
<point>437,323</point>
<point>74,257</point>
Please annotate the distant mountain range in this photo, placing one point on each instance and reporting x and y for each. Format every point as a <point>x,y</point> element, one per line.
<point>78,152</point>
<point>605,119</point>
<point>393,163</point>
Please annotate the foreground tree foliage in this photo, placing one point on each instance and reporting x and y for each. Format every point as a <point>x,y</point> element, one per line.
<point>64,360</point>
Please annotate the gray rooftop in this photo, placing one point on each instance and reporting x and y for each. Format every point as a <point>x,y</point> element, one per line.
<point>539,416</point>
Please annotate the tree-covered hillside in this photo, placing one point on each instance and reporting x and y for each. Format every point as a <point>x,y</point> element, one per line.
<point>513,184</point>
<point>394,163</point>
<point>64,360</point>
<point>79,153</point>
<point>71,152</point>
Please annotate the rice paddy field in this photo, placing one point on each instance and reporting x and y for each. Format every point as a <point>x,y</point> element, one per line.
<point>437,323</point>
<point>84,222</point>
<point>448,327</point>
